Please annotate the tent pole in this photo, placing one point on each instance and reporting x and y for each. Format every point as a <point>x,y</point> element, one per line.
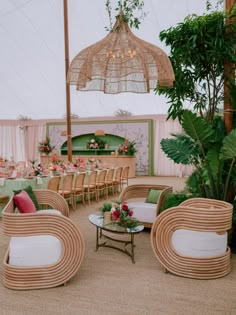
<point>68,113</point>
<point>228,110</point>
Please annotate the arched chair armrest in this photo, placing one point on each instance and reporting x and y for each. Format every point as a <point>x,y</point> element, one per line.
<point>52,199</point>
<point>30,224</point>
<point>208,219</point>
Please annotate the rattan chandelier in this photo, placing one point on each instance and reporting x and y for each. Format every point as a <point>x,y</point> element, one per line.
<point>121,62</point>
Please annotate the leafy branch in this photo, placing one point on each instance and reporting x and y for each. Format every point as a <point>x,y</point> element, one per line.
<point>129,9</point>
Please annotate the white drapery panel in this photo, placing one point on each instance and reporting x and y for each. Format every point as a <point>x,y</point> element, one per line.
<point>163,166</point>
<point>33,135</point>
<point>20,142</point>
<point>12,142</point>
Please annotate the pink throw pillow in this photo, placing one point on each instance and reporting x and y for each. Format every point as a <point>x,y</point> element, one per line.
<point>24,203</point>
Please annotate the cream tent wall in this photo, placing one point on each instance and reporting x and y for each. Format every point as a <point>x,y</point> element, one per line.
<point>32,79</point>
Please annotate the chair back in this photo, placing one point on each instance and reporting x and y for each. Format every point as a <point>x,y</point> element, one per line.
<point>67,182</point>
<point>125,172</point>
<point>54,183</point>
<point>79,181</point>
<point>125,176</point>
<point>101,177</point>
<point>92,177</point>
<point>110,175</point>
<point>118,173</point>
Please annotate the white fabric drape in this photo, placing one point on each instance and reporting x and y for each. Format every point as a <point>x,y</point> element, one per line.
<point>163,166</point>
<point>11,143</point>
<point>20,142</point>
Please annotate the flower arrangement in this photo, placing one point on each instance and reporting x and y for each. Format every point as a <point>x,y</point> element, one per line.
<point>53,167</point>
<point>120,213</point>
<point>36,169</point>
<point>128,148</point>
<point>78,162</point>
<point>96,143</point>
<point>45,146</point>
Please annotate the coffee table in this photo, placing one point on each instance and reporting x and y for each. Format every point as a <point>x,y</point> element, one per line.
<point>114,228</point>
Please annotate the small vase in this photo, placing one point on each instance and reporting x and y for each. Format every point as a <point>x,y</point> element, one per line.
<point>106,217</point>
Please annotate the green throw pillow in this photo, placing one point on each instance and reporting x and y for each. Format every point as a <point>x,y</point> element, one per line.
<point>30,192</point>
<point>153,196</point>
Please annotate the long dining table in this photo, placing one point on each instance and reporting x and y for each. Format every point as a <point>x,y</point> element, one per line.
<point>8,185</point>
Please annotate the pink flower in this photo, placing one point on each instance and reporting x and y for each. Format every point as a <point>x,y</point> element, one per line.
<point>54,158</point>
<point>131,213</point>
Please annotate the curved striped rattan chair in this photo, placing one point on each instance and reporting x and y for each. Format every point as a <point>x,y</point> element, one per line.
<point>31,224</point>
<point>207,216</point>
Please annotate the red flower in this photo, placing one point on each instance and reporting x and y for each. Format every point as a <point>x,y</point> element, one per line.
<point>115,215</point>
<point>131,213</point>
<point>125,207</point>
<point>54,158</point>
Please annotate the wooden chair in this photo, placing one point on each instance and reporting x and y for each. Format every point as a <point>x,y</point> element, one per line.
<point>109,182</point>
<point>78,188</point>
<point>100,184</point>
<point>208,218</point>
<point>32,224</point>
<point>66,187</point>
<point>116,184</point>
<point>125,176</point>
<point>90,186</point>
<point>54,183</point>
<point>137,195</point>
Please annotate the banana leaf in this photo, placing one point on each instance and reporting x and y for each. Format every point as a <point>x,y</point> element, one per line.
<point>197,128</point>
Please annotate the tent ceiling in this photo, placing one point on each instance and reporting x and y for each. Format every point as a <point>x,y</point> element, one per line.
<point>32,79</point>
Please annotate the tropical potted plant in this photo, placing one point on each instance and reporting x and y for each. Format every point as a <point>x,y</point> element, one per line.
<point>200,47</point>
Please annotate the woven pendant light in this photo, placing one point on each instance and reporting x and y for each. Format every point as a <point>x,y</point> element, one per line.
<point>121,62</point>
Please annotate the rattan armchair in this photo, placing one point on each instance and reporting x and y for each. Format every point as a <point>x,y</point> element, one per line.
<point>140,192</point>
<point>31,224</point>
<point>212,217</point>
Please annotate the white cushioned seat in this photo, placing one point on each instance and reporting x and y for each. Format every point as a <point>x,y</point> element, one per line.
<point>35,250</point>
<point>143,211</point>
<point>199,244</point>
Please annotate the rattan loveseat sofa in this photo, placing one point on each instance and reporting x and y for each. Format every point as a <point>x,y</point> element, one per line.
<point>137,198</point>
<point>48,224</point>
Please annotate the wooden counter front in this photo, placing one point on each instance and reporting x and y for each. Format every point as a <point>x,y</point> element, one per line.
<point>113,160</point>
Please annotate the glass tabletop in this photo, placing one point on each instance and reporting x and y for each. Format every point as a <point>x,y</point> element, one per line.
<point>112,226</point>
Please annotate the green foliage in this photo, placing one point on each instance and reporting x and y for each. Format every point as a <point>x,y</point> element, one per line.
<point>106,207</point>
<point>199,45</point>
<point>131,148</point>
<point>173,200</point>
<point>211,153</point>
<point>129,8</point>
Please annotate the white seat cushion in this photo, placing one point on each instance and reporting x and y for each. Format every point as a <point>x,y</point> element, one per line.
<point>199,244</point>
<point>143,211</point>
<point>35,250</point>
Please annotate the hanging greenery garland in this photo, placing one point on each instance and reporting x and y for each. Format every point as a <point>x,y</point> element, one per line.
<point>129,9</point>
